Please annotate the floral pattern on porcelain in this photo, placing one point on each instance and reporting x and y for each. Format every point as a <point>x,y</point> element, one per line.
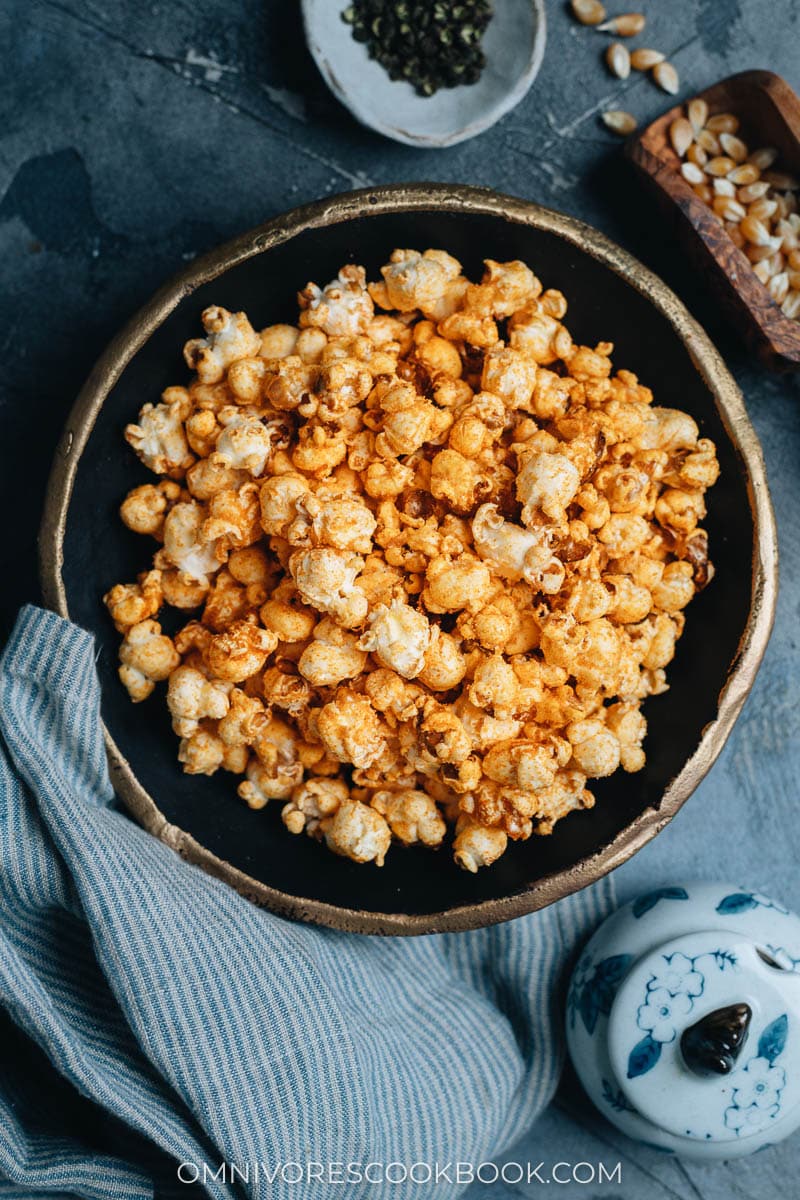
<point>668,1000</point>
<point>760,1093</point>
<point>594,987</point>
<point>741,902</point>
<point>643,904</point>
<point>616,1098</point>
<point>783,958</point>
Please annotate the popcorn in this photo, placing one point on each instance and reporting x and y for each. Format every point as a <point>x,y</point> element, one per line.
<point>184,546</point>
<point>144,509</point>
<point>201,753</point>
<point>452,585</point>
<point>443,666</point>
<point>343,308</point>
<point>538,336</point>
<point>411,815</point>
<point>523,763</point>
<point>284,688</point>
<point>239,651</point>
<point>192,698</point>
<point>130,603</point>
<point>205,479</point>
<point>326,580</point>
<point>342,522</point>
<point>159,438</point>
<point>517,553</point>
<point>676,587</point>
<point>333,656</point>
<point>668,429</point>
<point>511,375</point>
<point>349,729</point>
<point>505,287</point>
<point>437,556</point>
<point>358,832</point>
<point>244,444</point>
<point>495,687</point>
<point>440,357</point>
<point>409,422</point>
<point>229,336</point>
<point>182,591</point>
<point>399,637</point>
<point>389,693</point>
<point>287,616</point>
<point>566,794</point>
<point>311,802</point>
<point>146,657</point>
<point>595,749</point>
<point>477,846</point>
<point>278,341</point>
<point>431,282</point>
<point>273,780</point>
<point>290,382</point>
<point>547,482</point>
<point>318,451</point>
<point>244,719</point>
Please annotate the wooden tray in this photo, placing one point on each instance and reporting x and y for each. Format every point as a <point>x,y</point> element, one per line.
<point>770,114</point>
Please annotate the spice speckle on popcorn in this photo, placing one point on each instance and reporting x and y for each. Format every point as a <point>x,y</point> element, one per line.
<point>433,557</point>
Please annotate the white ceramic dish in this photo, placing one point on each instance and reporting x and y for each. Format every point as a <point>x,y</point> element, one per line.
<point>514,46</point>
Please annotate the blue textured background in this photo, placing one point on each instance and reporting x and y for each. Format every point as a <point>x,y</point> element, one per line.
<point>135,135</point>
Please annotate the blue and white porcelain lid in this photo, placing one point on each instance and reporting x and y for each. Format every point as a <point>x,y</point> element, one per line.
<point>673,995</point>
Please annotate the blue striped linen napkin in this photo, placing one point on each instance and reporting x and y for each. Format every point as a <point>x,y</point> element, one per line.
<point>150,1016</point>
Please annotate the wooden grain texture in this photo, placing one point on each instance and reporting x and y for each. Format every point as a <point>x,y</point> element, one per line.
<point>769,111</point>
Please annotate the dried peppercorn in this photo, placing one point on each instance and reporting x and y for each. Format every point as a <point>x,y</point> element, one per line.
<point>430,44</point>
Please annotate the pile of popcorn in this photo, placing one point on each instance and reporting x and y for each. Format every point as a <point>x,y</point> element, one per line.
<point>436,553</point>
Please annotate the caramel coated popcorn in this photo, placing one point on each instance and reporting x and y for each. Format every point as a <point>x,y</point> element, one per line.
<point>431,557</point>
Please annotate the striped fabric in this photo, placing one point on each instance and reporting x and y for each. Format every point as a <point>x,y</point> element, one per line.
<point>149,1016</point>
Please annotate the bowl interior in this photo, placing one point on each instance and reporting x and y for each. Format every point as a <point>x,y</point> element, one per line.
<point>99,551</point>
<point>513,44</point>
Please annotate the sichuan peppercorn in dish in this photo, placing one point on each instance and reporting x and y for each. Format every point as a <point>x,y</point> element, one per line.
<point>431,556</point>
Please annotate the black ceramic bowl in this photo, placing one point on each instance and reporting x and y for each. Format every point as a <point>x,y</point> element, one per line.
<point>85,549</point>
